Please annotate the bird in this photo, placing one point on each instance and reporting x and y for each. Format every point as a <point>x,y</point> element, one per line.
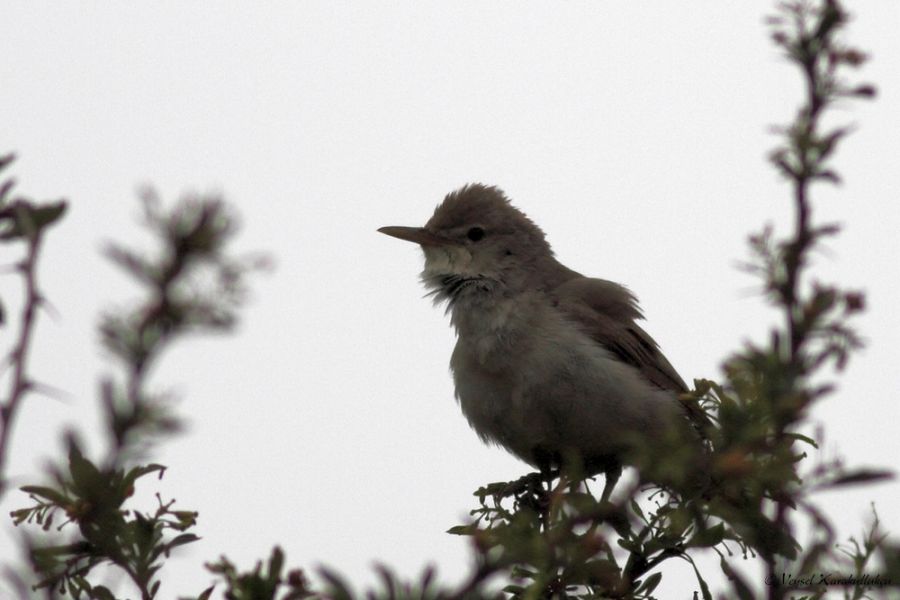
<point>548,364</point>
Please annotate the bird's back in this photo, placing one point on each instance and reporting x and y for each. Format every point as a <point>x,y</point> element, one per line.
<point>608,313</point>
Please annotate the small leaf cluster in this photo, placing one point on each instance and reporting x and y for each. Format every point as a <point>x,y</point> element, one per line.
<point>92,499</point>
<point>20,217</point>
<point>809,36</point>
<point>558,539</point>
<point>262,583</point>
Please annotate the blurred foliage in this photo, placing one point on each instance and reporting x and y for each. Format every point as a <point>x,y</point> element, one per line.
<point>191,285</point>
<point>22,221</point>
<point>743,495</point>
<point>261,583</point>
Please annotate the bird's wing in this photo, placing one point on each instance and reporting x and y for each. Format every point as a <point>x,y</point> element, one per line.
<point>607,312</point>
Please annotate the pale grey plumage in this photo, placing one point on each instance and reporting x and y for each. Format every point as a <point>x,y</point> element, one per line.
<point>547,361</point>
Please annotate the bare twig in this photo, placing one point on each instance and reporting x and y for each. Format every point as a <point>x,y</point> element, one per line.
<point>20,382</point>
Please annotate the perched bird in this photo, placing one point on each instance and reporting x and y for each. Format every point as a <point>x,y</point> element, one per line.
<point>548,363</point>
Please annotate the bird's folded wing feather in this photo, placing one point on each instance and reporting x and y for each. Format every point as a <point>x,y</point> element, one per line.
<point>607,312</point>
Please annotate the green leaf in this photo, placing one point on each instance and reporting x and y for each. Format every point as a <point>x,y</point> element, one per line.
<point>186,538</point>
<point>47,493</point>
<point>86,478</point>
<point>102,592</point>
<point>709,537</point>
<point>463,529</point>
<point>46,214</point>
<point>206,593</point>
<point>802,438</point>
<point>138,472</point>
<point>276,563</point>
<point>602,572</point>
<point>81,584</point>
<point>857,477</point>
<point>649,584</point>
<point>26,219</point>
<point>704,588</point>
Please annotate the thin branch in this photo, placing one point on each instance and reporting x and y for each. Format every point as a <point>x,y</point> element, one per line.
<point>20,383</point>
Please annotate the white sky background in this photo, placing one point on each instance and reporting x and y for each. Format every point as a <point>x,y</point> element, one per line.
<point>633,133</point>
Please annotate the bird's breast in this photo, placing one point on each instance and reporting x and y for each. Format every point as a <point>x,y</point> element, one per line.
<point>490,331</point>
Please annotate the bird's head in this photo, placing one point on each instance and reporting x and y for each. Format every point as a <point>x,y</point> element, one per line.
<point>477,242</point>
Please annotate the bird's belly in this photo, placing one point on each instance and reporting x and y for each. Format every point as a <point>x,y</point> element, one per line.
<point>497,411</point>
<point>560,398</point>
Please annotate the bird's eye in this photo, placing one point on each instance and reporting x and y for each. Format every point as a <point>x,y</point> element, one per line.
<point>475,234</point>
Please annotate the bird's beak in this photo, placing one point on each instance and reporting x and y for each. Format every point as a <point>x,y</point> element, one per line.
<point>419,235</point>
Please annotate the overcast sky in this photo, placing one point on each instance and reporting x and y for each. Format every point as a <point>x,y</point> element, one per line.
<point>635,134</point>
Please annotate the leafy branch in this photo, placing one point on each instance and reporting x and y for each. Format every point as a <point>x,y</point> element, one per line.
<point>21,220</point>
<point>192,285</point>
